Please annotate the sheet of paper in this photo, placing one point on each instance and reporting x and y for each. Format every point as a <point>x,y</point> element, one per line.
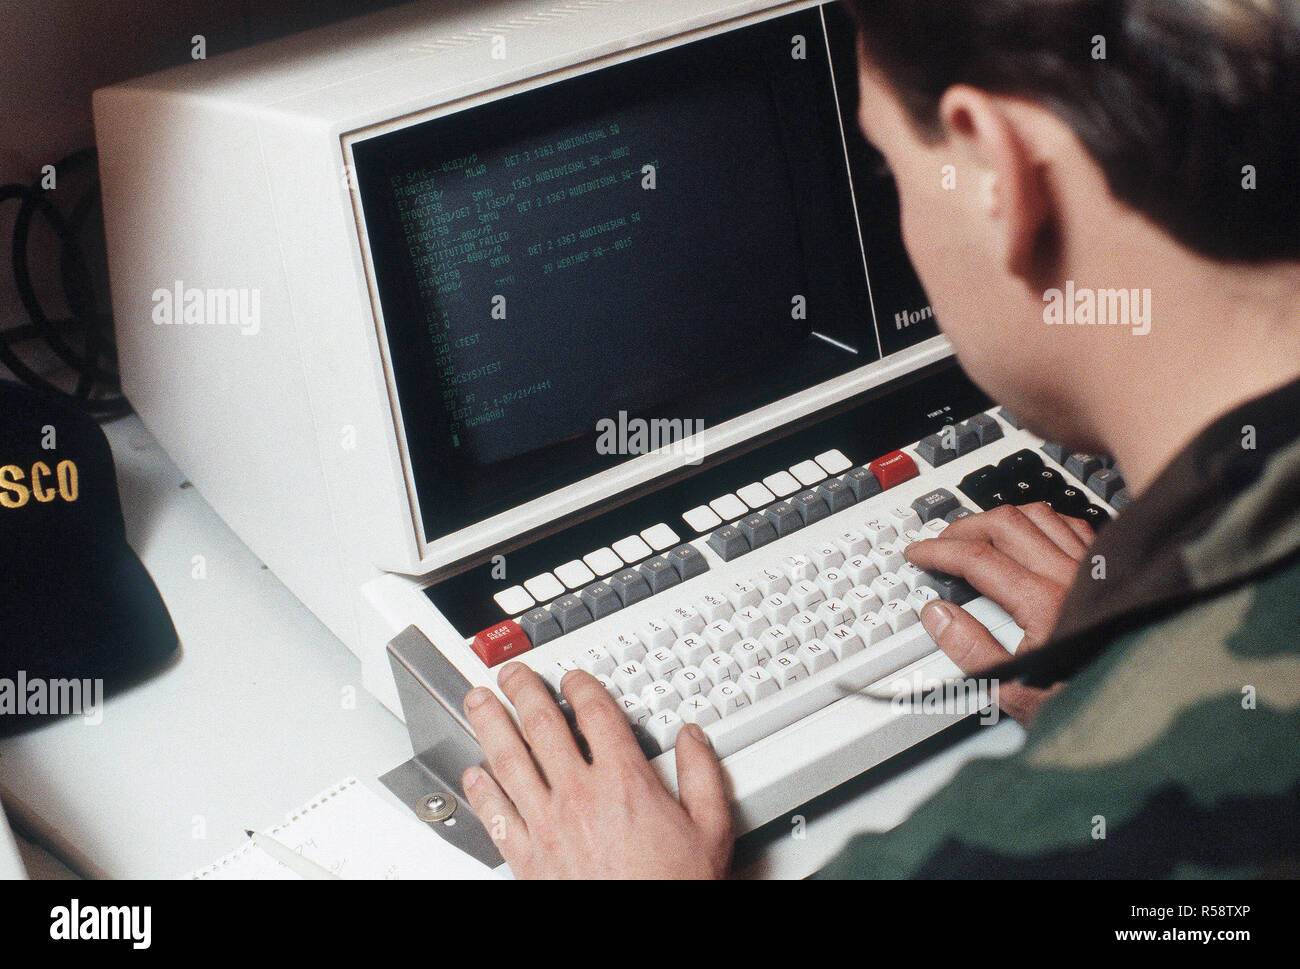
<point>351,831</point>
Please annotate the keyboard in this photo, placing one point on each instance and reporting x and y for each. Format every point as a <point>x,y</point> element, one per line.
<point>770,613</point>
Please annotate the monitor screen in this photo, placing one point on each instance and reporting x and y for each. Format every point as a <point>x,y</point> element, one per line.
<point>685,236</point>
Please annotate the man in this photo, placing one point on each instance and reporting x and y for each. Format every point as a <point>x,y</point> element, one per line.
<point>1144,146</point>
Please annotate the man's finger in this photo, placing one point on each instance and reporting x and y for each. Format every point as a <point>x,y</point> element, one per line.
<point>505,750</point>
<point>1056,527</point>
<point>1009,529</point>
<point>1081,528</point>
<point>702,787</point>
<point>543,725</point>
<point>962,637</point>
<point>496,813</point>
<point>608,733</point>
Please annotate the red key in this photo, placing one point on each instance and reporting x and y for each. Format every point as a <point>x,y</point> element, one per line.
<point>501,642</point>
<point>892,469</point>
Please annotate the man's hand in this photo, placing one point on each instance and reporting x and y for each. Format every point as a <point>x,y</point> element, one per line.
<point>1024,559</point>
<point>553,815</point>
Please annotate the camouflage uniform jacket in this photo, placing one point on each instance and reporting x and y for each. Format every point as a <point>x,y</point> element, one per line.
<point>1175,749</point>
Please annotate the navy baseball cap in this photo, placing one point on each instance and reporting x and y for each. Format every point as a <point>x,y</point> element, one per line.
<point>75,600</point>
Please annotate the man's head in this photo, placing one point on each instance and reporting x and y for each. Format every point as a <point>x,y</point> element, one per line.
<point>1106,144</point>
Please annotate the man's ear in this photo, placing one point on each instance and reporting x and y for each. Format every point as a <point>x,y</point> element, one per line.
<point>1010,184</point>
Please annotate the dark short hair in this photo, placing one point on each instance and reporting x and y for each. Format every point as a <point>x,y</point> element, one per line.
<point>1183,103</point>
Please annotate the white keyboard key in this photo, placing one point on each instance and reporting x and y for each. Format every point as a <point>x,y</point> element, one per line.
<point>721,635</point>
<point>827,556</point>
<point>778,608</point>
<point>770,581</point>
<point>834,612</point>
<point>554,674</point>
<point>690,680</point>
<point>749,621</point>
<point>887,558</point>
<point>656,634</point>
<point>888,587</point>
<point>544,587</point>
<point>808,472</point>
<point>574,574</point>
<point>834,583</point>
<point>872,629</point>
<point>815,656</point>
<point>798,567</point>
<point>632,549</point>
<point>834,462</point>
<point>914,577</point>
<point>663,727</point>
<point>662,663</point>
<point>806,626</point>
<point>907,538</point>
<point>631,678</point>
<point>933,527</point>
<point>758,684</point>
<point>902,518</point>
<point>660,695</point>
<point>727,698</point>
<point>899,615</point>
<point>860,569</point>
<point>919,596</point>
<point>596,661</point>
<point>743,593</point>
<point>729,507</point>
<point>603,561</point>
<point>636,712</point>
<point>702,519</point>
<point>782,483</point>
<point>691,650</point>
<point>627,648</point>
<point>699,710</point>
<point>878,532</point>
<point>755,495</point>
<point>749,653</point>
<point>786,669</point>
<point>807,594</point>
<point>714,606</point>
<point>660,537</point>
<point>514,600</point>
<point>861,600</point>
<point>684,619</point>
<point>720,667</point>
<point>852,542</point>
<point>777,640</point>
<point>843,641</point>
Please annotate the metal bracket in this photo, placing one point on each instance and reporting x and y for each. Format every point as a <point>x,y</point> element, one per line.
<point>432,692</point>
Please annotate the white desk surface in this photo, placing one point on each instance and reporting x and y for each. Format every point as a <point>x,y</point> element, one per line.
<point>263,708</point>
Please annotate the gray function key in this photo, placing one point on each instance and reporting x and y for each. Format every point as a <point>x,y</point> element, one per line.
<point>729,542</point>
<point>570,612</point>
<point>783,518</point>
<point>952,589</point>
<point>986,428</point>
<point>540,626</point>
<point>837,495</point>
<point>957,514</point>
<point>1083,466</point>
<point>937,504</point>
<point>1010,418</point>
<point>688,561</point>
<point>932,450</point>
<point>810,506</point>
<point>758,531</point>
<point>1106,482</point>
<point>659,574</point>
<point>863,483</point>
<point>629,586</point>
<point>600,600</point>
<point>1056,452</point>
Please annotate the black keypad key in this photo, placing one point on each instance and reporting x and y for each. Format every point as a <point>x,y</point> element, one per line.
<point>540,626</point>
<point>1069,501</point>
<point>783,518</point>
<point>837,495</point>
<point>810,506</point>
<point>987,487</point>
<point>629,586</point>
<point>728,542</point>
<point>864,484</point>
<point>659,574</point>
<point>600,600</point>
<point>1095,517</point>
<point>688,561</point>
<point>936,504</point>
<point>758,531</point>
<point>570,612</point>
<point>1021,464</point>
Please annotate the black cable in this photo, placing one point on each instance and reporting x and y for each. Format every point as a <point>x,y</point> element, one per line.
<point>97,389</point>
